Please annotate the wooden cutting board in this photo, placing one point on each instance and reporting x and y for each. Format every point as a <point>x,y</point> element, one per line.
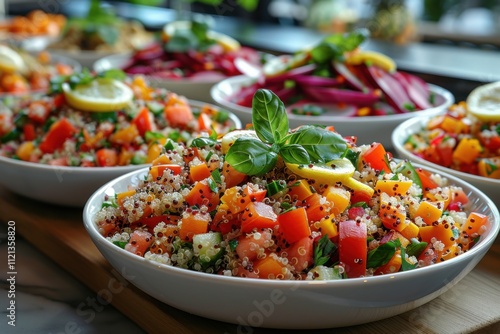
<point>470,306</point>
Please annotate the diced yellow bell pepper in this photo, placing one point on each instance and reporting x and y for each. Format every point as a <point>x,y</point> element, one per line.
<point>393,187</point>
<point>430,212</point>
<point>467,150</point>
<point>340,197</point>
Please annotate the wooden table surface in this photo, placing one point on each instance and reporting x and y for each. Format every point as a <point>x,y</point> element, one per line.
<point>473,305</point>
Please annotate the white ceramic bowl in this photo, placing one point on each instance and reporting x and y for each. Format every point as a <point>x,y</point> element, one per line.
<point>62,185</point>
<point>289,304</point>
<point>404,130</point>
<point>85,57</point>
<point>368,129</point>
<point>195,89</point>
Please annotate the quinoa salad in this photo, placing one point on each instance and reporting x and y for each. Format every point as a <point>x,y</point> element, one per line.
<point>249,205</point>
<point>47,129</point>
<point>460,141</point>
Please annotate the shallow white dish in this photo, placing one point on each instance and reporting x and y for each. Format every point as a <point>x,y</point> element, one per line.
<point>196,88</point>
<point>290,304</point>
<point>368,129</point>
<point>404,130</point>
<point>62,185</point>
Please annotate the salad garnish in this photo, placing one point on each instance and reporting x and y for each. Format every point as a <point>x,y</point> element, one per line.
<point>305,145</point>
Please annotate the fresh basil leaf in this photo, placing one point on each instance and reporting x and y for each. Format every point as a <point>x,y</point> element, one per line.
<point>181,42</point>
<point>352,156</point>
<point>150,136</point>
<point>321,145</point>
<point>323,251</point>
<point>216,176</point>
<point>416,247</point>
<point>381,255</point>
<point>120,244</point>
<point>405,265</point>
<point>295,154</point>
<point>212,185</point>
<point>269,117</point>
<point>108,33</point>
<point>407,169</point>
<point>113,73</point>
<point>251,156</point>
<point>203,141</point>
<point>325,52</point>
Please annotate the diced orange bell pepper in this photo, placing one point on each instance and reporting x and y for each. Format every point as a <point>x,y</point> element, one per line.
<point>430,212</point>
<point>340,197</point>
<point>199,172</point>
<point>258,215</point>
<point>268,267</point>
<point>393,187</point>
<point>193,224</point>
<point>294,225</point>
<point>467,150</point>
<point>300,190</point>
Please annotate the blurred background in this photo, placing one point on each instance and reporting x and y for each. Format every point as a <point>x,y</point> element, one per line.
<point>465,23</point>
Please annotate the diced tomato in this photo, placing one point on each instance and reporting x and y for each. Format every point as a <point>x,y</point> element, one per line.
<point>252,244</point>
<point>106,157</point>
<point>353,248</point>
<point>144,121</point>
<point>425,178</point>
<point>59,132</point>
<point>139,242</point>
<point>300,254</point>
<point>178,115</point>
<point>355,212</point>
<point>376,157</point>
<point>38,111</point>
<point>428,256</point>
<point>151,222</point>
<point>29,132</point>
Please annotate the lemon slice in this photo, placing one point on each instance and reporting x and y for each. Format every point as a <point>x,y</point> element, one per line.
<point>331,172</point>
<point>226,42</point>
<point>283,63</point>
<point>10,60</point>
<point>484,102</point>
<point>376,58</point>
<point>229,138</point>
<point>99,95</point>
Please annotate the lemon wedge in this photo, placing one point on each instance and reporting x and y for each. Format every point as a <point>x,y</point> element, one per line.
<point>331,172</point>
<point>100,95</point>
<point>229,138</point>
<point>376,58</point>
<point>227,43</point>
<point>283,63</point>
<point>484,102</point>
<point>10,60</point>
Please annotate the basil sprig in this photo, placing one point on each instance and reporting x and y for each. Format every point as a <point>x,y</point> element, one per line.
<point>308,144</point>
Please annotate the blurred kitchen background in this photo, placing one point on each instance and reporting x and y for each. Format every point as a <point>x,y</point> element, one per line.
<point>451,43</point>
<point>465,23</point>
